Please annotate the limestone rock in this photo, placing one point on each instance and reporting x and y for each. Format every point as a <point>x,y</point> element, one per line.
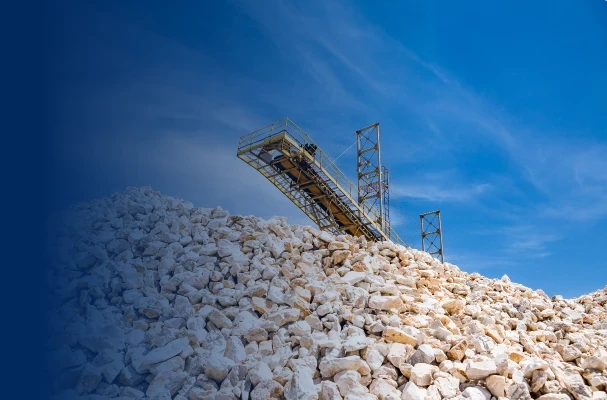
<point>158,299</point>
<point>496,385</point>
<point>554,396</point>
<point>338,246</point>
<point>519,391</point>
<point>399,336</point>
<point>375,359</point>
<point>386,303</point>
<point>353,277</point>
<point>573,382</point>
<point>348,383</point>
<point>235,350</point>
<point>421,374</point>
<point>218,367</point>
<point>331,366</point>
<point>477,393</point>
<point>412,392</point>
<point>267,389</point>
<point>301,386</point>
<point>219,319</point>
<point>423,354</point>
<point>447,386</point>
<point>329,391</point>
<point>384,390</point>
<point>166,381</point>
<point>164,353</point>
<point>90,377</point>
<point>481,370</point>
<point>260,372</point>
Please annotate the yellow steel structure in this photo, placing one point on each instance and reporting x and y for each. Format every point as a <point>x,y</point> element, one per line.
<point>289,158</point>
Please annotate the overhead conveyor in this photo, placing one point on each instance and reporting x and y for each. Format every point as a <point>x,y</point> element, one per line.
<point>289,159</point>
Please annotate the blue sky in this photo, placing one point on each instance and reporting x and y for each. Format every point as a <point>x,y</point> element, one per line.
<point>492,112</point>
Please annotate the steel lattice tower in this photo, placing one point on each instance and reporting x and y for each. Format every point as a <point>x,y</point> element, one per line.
<point>372,177</point>
<point>431,230</point>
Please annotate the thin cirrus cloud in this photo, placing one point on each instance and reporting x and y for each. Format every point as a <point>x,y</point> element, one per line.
<point>520,240</point>
<point>528,241</point>
<point>567,175</point>
<point>441,192</point>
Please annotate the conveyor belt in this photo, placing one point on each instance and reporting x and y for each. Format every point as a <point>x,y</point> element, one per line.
<point>289,159</point>
<point>305,176</point>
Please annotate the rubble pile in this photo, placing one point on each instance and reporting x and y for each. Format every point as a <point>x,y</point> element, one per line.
<point>157,299</point>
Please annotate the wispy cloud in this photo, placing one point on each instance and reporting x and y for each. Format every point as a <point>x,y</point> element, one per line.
<point>441,186</point>
<point>520,241</point>
<point>440,193</point>
<point>526,241</point>
<point>569,175</point>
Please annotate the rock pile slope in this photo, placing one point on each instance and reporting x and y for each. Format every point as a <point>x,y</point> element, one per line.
<point>157,299</point>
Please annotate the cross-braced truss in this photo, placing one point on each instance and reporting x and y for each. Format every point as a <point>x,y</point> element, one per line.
<point>432,234</point>
<point>288,158</point>
<point>371,182</point>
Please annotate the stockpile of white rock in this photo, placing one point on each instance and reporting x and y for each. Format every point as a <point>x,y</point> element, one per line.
<point>157,299</point>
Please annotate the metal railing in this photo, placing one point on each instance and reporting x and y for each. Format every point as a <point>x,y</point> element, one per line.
<point>264,135</point>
